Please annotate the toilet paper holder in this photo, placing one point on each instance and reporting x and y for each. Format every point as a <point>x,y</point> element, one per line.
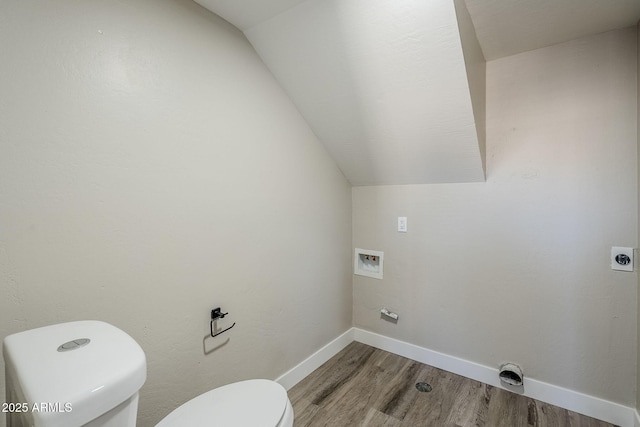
<point>216,314</point>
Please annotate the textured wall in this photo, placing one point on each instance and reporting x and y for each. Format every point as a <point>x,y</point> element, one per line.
<point>638,135</point>
<point>517,268</point>
<point>151,168</point>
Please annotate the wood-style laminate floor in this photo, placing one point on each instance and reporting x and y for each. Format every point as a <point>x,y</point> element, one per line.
<point>364,386</point>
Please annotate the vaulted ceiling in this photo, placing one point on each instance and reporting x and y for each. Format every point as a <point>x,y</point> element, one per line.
<point>508,27</point>
<point>395,89</point>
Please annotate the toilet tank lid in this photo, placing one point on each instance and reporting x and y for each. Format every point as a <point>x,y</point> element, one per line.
<point>259,403</point>
<point>73,380</point>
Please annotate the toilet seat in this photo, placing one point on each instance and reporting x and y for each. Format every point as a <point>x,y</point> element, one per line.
<point>256,403</point>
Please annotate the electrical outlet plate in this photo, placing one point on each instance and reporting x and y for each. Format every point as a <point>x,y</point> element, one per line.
<point>621,258</point>
<point>402,224</point>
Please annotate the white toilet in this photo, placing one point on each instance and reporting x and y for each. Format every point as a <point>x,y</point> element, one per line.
<point>88,373</point>
<point>251,403</point>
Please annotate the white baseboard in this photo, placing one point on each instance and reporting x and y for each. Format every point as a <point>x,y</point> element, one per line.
<point>611,412</point>
<point>296,374</point>
<point>574,401</point>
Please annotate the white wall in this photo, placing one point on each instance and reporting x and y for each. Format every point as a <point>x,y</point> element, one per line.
<point>638,136</point>
<point>150,169</point>
<point>517,268</point>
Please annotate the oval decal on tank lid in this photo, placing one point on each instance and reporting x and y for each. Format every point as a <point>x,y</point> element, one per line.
<point>74,344</point>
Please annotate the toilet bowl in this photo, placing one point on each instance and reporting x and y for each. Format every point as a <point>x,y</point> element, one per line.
<point>251,403</point>
<point>89,373</point>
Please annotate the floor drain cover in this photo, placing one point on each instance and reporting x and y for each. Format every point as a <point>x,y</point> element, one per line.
<point>423,387</point>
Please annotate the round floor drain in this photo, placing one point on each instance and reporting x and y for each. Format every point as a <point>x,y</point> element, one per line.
<point>424,387</point>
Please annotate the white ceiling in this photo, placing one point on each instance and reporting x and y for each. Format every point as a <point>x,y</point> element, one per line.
<point>507,27</point>
<point>382,85</point>
<point>503,27</point>
<point>388,86</point>
<point>244,14</point>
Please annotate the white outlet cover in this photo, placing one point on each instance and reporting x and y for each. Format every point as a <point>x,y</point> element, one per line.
<point>402,224</point>
<point>621,258</point>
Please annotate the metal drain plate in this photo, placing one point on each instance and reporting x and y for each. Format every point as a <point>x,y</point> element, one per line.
<point>424,387</point>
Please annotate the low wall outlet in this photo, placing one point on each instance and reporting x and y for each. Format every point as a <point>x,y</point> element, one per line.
<point>621,258</point>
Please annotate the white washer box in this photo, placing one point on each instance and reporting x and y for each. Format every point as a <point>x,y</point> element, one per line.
<point>368,263</point>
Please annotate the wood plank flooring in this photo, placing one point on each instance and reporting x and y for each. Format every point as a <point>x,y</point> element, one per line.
<point>364,386</point>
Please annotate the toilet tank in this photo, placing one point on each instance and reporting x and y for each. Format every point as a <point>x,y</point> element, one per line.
<point>84,373</point>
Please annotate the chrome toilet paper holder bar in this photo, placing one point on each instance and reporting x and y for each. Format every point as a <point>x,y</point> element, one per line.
<point>216,314</point>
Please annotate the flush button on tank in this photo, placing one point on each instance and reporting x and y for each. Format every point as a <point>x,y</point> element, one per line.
<point>72,345</point>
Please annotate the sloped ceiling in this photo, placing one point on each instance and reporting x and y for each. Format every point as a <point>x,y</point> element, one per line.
<point>507,27</point>
<point>244,14</point>
<point>382,84</point>
<point>395,89</point>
